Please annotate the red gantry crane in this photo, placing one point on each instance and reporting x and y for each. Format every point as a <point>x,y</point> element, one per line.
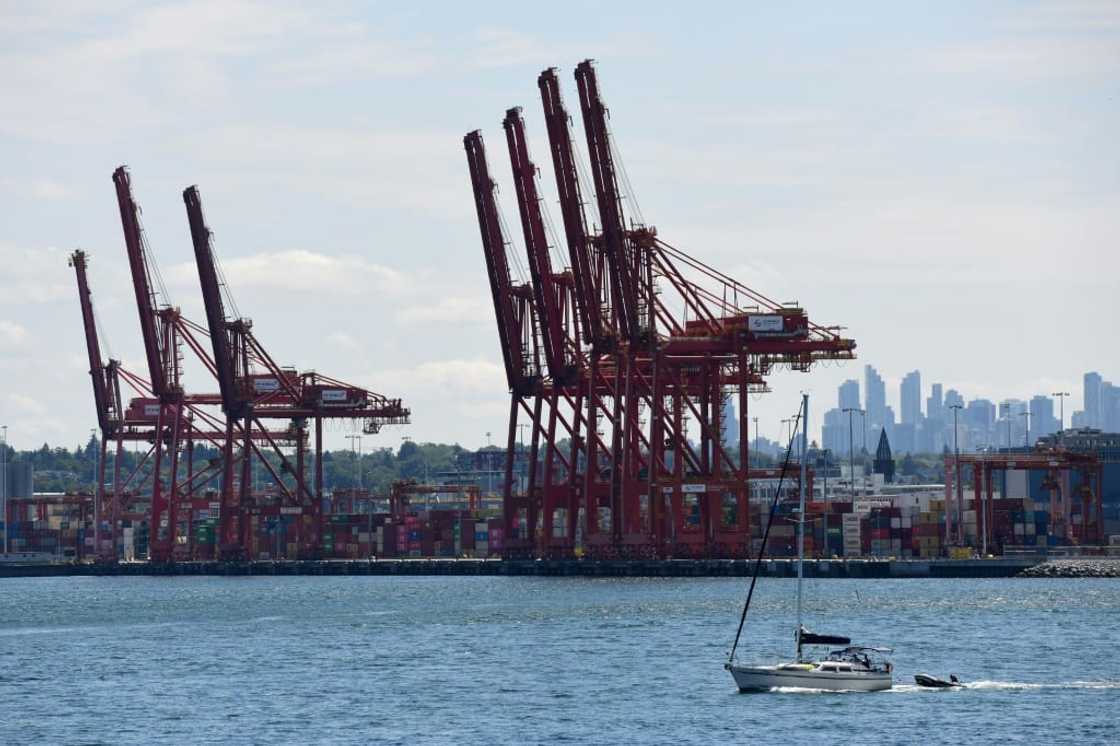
<point>255,389</point>
<point>665,340</point>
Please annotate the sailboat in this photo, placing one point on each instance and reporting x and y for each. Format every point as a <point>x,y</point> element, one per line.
<point>839,666</point>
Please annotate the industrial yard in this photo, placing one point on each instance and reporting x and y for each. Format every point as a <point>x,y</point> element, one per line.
<point>621,354</point>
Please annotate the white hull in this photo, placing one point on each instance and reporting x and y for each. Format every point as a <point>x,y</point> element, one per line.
<point>757,678</point>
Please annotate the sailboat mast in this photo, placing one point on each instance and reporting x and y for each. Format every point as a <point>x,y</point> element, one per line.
<point>801,510</point>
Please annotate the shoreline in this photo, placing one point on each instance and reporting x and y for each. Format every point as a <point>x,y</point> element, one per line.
<point>838,568</point>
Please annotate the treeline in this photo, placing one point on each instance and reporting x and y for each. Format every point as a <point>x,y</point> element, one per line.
<point>60,469</point>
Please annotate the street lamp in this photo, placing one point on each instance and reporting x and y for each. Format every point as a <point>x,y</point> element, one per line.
<point>1061,408</point>
<point>96,497</point>
<point>852,445</point>
<point>358,457</point>
<point>960,488</point>
<point>4,484</point>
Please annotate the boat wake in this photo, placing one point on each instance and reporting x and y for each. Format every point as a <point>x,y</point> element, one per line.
<point>998,685</point>
<point>977,685</point>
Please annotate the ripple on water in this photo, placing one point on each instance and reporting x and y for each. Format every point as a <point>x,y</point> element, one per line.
<point>514,660</point>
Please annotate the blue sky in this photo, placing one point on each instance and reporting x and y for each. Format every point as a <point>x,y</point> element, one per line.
<point>941,178</point>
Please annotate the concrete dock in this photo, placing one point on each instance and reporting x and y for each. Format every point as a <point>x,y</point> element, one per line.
<point>848,568</point>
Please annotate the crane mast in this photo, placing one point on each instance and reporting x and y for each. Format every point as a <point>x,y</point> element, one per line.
<point>512,303</point>
<point>155,345</point>
<point>624,275</point>
<point>548,294</point>
<point>225,337</point>
<point>106,394</point>
<point>589,293</point>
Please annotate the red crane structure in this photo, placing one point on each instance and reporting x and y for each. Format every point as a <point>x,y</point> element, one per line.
<point>134,423</point>
<point>112,419</point>
<point>252,390</point>
<point>1071,521</point>
<point>640,342</point>
<point>164,330</point>
<point>255,389</point>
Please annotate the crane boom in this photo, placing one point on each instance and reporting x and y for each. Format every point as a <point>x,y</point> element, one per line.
<point>154,350</point>
<point>220,329</point>
<point>106,397</point>
<point>547,292</point>
<point>512,303</point>
<point>589,295</point>
<point>624,273</point>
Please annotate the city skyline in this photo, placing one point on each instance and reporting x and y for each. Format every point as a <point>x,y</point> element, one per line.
<point>980,422</point>
<point>889,199</point>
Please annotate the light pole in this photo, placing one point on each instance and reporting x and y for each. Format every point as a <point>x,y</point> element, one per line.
<point>1061,408</point>
<point>357,458</point>
<point>960,489</point>
<point>756,445</point>
<point>4,483</point>
<point>96,497</point>
<point>784,423</point>
<point>850,411</point>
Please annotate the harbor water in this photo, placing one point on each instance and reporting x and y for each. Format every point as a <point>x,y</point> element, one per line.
<point>542,660</point>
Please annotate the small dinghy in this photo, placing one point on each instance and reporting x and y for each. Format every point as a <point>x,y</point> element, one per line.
<point>932,682</point>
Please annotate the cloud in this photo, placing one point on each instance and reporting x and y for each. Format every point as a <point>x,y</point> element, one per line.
<point>23,404</point>
<point>472,377</point>
<point>344,341</point>
<point>300,271</point>
<point>33,276</point>
<point>351,165</point>
<point>1093,16</point>
<point>471,310</point>
<point>11,334</point>
<point>1030,58</point>
<point>498,47</point>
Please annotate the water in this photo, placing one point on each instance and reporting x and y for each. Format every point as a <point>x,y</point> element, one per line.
<point>541,660</point>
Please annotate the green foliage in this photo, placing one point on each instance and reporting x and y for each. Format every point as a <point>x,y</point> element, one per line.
<point>63,470</point>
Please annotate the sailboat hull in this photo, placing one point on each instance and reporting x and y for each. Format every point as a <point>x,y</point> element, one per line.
<point>763,678</point>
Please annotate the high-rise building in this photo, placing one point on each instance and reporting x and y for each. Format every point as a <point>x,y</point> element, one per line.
<point>910,396</point>
<point>834,431</point>
<point>952,396</point>
<point>934,403</point>
<point>849,394</point>
<point>1043,421</point>
<point>1110,408</point>
<point>729,424</point>
<point>875,394</point>
<point>1011,429</point>
<point>904,441</point>
<point>1092,399</point>
<point>980,415</point>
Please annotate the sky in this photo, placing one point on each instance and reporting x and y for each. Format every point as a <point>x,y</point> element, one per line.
<point>942,179</point>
